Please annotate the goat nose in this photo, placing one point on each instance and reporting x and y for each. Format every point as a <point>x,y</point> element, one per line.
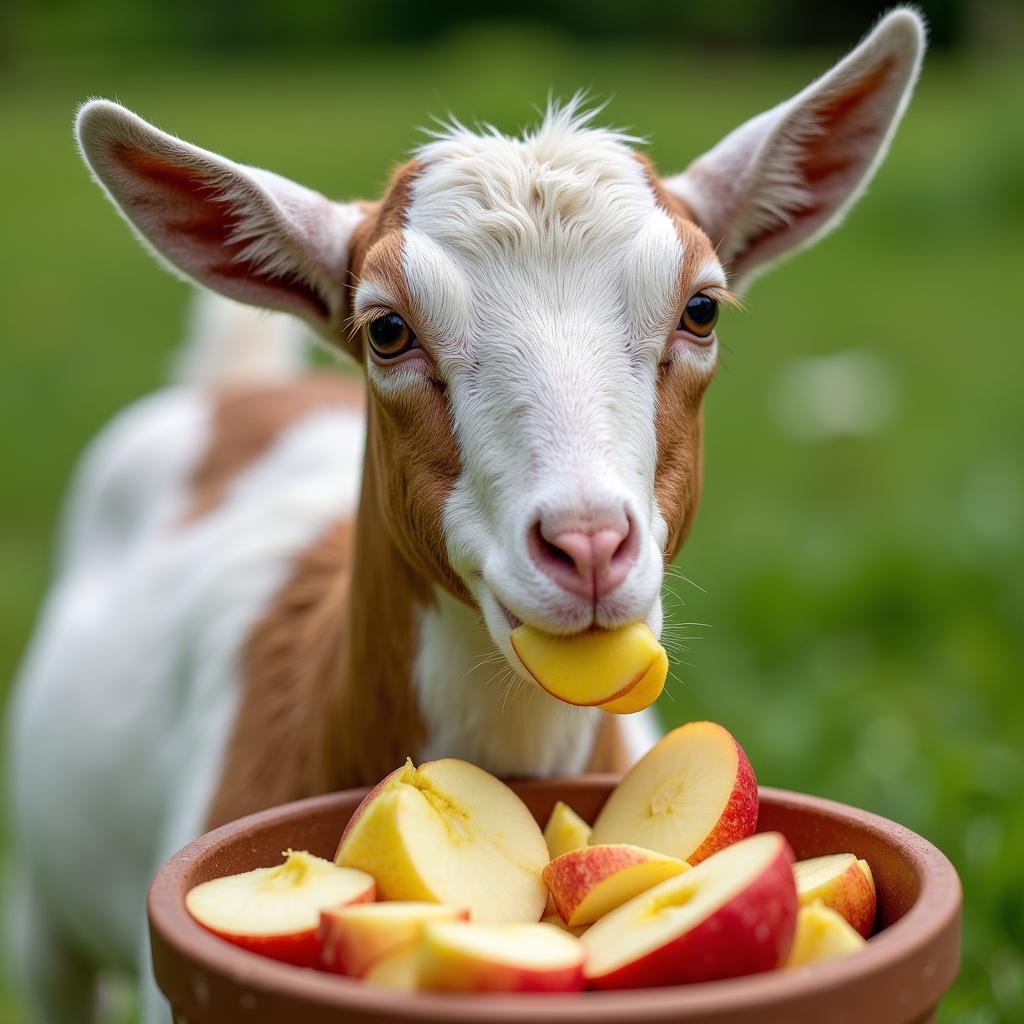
<point>589,560</point>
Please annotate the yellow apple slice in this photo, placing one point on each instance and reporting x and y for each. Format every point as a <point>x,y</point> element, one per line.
<point>822,934</point>
<point>352,939</point>
<point>500,958</point>
<point>841,882</point>
<point>691,794</point>
<point>587,884</point>
<point>622,670</point>
<point>645,691</point>
<point>275,911</point>
<point>565,830</point>
<point>449,832</point>
<point>397,970</point>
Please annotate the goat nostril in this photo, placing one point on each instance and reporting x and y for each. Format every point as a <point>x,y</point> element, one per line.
<point>552,550</point>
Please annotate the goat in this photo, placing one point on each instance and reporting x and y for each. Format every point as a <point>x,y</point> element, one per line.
<point>273,585</point>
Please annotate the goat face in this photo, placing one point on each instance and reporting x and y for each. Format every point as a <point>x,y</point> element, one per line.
<point>535,317</point>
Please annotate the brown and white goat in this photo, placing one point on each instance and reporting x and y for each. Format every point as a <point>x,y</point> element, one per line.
<point>272,590</point>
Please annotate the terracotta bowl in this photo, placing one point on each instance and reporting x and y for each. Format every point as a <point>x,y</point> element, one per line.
<point>898,979</point>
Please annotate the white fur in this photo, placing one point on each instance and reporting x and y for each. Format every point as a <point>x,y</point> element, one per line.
<point>129,691</point>
<point>545,275</point>
<point>475,707</point>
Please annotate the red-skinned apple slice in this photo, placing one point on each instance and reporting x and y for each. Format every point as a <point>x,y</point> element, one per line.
<point>841,882</point>
<point>500,958</point>
<point>275,911</point>
<point>564,831</point>
<point>822,934</point>
<point>734,914</point>
<point>588,883</point>
<point>356,936</point>
<point>449,832</point>
<point>690,795</point>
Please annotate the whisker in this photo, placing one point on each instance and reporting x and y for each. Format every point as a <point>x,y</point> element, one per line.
<point>676,574</point>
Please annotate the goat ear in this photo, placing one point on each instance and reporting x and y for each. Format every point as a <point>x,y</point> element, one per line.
<point>244,232</point>
<point>786,178</point>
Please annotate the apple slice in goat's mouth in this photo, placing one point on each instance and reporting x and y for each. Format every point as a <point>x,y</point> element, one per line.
<point>620,670</point>
<point>734,914</point>
<point>691,794</point>
<point>276,911</point>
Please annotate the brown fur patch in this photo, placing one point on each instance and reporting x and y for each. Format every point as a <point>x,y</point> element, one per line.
<point>293,671</point>
<point>668,201</point>
<point>247,421</point>
<point>382,228</point>
<point>328,701</point>
<point>411,440</point>
<point>679,472</point>
<point>679,421</point>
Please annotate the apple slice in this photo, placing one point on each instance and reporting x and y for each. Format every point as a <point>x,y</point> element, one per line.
<point>587,884</point>
<point>733,914</point>
<point>822,934</point>
<point>622,670</point>
<point>841,882</point>
<point>397,970</point>
<point>565,830</point>
<point>354,937</point>
<point>275,911</point>
<point>449,832</point>
<point>500,958</point>
<point>691,794</point>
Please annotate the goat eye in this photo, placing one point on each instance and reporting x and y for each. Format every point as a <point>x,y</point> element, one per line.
<point>390,336</point>
<point>700,315</point>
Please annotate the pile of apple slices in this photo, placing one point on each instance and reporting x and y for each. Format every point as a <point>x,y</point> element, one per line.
<point>443,881</point>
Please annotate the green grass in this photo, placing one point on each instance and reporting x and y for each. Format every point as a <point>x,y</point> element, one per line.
<point>863,596</point>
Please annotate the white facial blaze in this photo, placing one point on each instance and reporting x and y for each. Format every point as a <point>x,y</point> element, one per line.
<point>545,276</point>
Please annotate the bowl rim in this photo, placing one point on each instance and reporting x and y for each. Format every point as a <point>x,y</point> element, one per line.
<point>933,919</point>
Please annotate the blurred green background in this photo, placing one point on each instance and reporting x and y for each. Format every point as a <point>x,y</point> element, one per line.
<point>853,600</point>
